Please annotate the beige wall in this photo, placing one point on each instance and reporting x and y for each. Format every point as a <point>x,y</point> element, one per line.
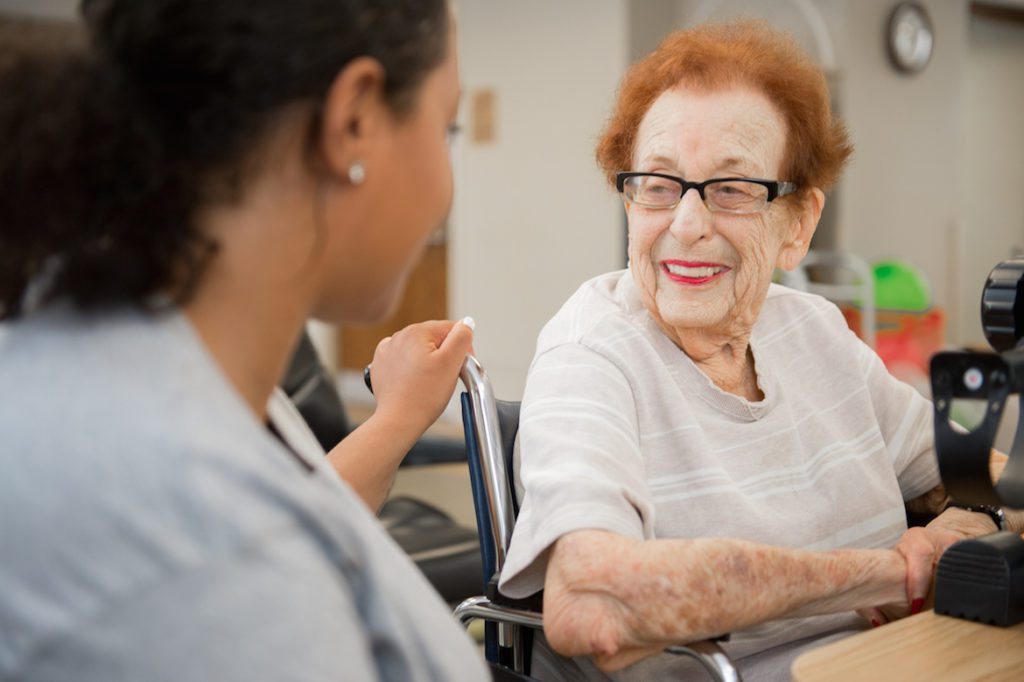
<point>532,216</point>
<point>899,196</point>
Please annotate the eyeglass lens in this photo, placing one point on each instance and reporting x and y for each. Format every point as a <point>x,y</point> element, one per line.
<point>734,195</point>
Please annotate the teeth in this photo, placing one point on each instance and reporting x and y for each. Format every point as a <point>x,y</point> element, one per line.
<point>692,273</point>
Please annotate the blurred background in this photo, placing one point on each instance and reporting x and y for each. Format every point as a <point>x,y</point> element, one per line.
<point>936,182</point>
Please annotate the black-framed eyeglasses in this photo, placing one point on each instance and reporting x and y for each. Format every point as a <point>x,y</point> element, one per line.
<point>727,195</point>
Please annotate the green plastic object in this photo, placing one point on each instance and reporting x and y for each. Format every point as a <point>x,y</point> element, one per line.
<point>901,286</point>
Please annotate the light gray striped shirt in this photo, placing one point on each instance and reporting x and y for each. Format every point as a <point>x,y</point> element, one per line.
<point>621,431</point>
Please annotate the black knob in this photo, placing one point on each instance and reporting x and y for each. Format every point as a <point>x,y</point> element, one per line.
<point>1002,305</point>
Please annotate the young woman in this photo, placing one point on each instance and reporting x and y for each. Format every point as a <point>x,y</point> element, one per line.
<point>175,202</point>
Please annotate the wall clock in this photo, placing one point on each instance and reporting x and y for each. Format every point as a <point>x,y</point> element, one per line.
<point>910,37</point>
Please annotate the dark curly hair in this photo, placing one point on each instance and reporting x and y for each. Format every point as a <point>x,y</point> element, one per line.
<point>111,150</point>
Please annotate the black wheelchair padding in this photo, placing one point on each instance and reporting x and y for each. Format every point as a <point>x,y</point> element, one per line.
<point>508,425</point>
<point>311,389</point>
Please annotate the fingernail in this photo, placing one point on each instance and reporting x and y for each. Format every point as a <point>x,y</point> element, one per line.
<point>915,606</point>
<point>875,623</point>
<point>366,378</point>
<point>469,322</point>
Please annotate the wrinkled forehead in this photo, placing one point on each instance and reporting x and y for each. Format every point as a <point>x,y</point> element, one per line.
<point>703,134</point>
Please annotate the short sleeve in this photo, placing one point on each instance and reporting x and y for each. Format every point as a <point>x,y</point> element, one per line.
<point>906,421</point>
<point>579,464</point>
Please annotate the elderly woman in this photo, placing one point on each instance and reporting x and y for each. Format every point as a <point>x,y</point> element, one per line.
<point>704,452</point>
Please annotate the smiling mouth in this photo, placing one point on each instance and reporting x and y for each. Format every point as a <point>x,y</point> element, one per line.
<point>692,273</point>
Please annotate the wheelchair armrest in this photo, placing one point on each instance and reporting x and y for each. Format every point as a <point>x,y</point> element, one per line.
<point>481,608</point>
<point>711,656</point>
<point>708,654</point>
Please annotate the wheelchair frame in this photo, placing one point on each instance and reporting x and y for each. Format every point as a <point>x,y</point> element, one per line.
<point>496,516</point>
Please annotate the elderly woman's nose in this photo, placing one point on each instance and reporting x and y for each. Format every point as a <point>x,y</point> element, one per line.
<point>691,220</point>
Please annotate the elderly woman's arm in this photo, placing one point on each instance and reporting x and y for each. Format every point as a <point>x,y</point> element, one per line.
<point>621,600</point>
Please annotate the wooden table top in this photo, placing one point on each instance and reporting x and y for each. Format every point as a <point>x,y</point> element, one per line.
<point>923,647</point>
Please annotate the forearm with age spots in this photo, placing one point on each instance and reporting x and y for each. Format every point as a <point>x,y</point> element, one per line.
<point>605,595</point>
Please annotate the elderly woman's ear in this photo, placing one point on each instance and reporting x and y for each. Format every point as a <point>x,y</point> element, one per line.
<point>804,222</point>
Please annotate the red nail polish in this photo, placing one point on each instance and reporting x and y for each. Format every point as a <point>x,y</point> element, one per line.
<point>875,623</point>
<point>915,606</point>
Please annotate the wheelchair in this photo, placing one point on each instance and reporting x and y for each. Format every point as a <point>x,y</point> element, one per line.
<point>491,426</point>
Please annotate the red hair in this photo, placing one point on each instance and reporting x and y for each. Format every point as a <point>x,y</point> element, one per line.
<point>719,56</point>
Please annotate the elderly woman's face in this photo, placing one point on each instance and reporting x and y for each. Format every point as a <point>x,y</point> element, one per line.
<point>698,270</point>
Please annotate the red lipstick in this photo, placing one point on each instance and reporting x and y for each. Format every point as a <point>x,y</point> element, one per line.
<point>696,272</point>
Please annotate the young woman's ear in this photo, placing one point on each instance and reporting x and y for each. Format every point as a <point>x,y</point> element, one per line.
<point>351,120</point>
<point>804,223</point>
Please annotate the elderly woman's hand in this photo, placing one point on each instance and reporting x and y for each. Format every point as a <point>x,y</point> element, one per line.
<point>922,547</point>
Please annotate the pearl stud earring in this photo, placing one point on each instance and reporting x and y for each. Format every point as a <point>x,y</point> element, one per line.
<point>357,173</point>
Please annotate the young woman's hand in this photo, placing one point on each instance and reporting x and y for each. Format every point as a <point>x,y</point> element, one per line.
<point>415,371</point>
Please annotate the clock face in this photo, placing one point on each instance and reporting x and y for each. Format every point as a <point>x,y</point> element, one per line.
<point>910,37</point>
